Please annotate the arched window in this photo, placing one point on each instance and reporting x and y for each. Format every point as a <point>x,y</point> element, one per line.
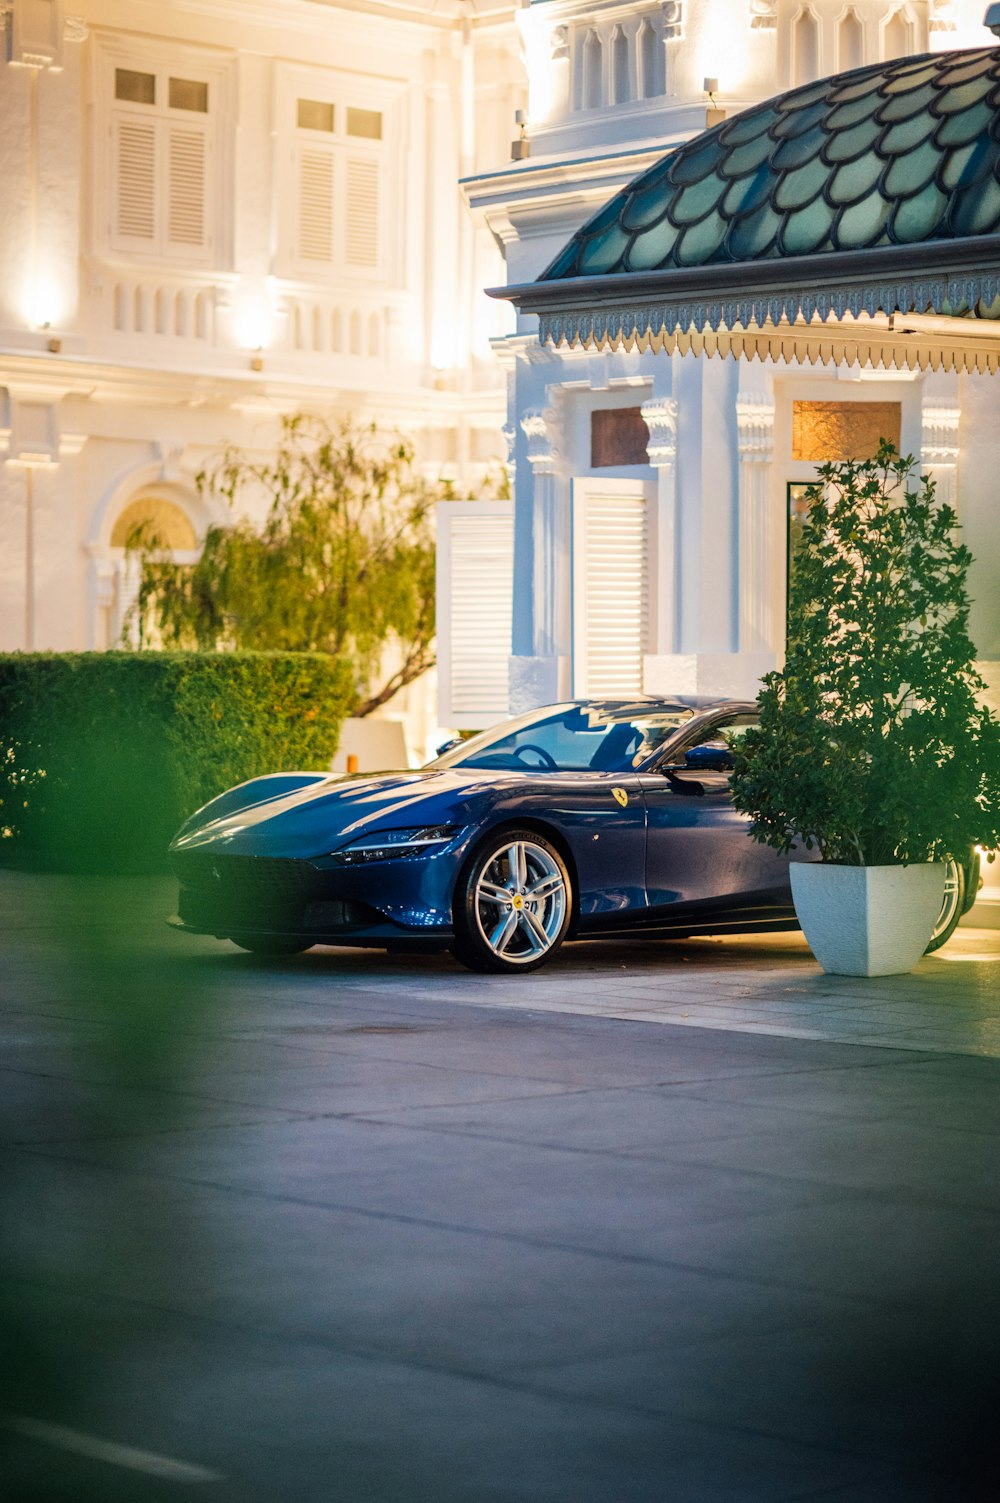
<point>647,53</point>
<point>158,523</point>
<point>897,38</point>
<point>806,47</point>
<point>593,63</point>
<point>850,42</point>
<point>620,90</point>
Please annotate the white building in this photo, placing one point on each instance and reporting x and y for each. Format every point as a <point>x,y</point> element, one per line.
<point>215,212</point>
<point>655,462</point>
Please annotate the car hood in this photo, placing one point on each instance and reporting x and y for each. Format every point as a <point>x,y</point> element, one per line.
<point>323,816</point>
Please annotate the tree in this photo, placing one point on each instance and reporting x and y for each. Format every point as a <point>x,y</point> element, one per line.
<point>343,563</point>
<point>874,744</point>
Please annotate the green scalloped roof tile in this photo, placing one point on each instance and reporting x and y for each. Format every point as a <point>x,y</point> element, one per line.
<point>699,242</point>
<point>912,171</point>
<point>976,210</point>
<point>852,180</point>
<point>915,218</point>
<point>862,224</point>
<point>795,189</point>
<point>697,199</point>
<point>806,230</point>
<point>959,130</point>
<point>651,248</point>
<point>969,163</point>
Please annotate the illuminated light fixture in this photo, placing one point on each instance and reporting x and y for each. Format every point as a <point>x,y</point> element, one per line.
<point>52,343</point>
<point>713,115</point>
<point>521,148</point>
<point>257,359</point>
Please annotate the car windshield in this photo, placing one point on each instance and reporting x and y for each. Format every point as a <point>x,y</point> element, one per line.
<point>571,738</point>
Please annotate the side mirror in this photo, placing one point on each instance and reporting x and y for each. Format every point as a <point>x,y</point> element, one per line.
<point>710,756</point>
<point>446,746</point>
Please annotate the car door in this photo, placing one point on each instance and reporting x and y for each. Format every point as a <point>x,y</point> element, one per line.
<point>700,857</point>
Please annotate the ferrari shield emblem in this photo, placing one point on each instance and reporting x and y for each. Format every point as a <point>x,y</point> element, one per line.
<point>620,796</point>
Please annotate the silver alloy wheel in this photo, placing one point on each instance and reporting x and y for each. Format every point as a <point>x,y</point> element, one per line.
<point>954,891</point>
<point>520,902</point>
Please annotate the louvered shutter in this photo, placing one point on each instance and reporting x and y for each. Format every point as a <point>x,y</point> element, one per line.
<point>315,216</point>
<point>186,160</point>
<point>362,228</point>
<point>610,587</point>
<point>134,148</point>
<point>475,589</point>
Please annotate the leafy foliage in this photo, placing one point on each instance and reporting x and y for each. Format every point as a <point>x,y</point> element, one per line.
<point>102,755</point>
<point>343,564</point>
<point>873,743</point>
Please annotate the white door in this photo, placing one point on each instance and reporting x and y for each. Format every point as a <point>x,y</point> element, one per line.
<point>610,586</point>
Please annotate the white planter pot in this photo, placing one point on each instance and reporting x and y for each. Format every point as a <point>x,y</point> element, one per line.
<point>867,920</point>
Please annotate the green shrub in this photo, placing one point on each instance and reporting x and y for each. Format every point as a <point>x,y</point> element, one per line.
<point>874,745</point>
<point>102,755</point>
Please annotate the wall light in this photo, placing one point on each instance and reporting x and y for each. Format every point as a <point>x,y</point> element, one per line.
<point>713,115</point>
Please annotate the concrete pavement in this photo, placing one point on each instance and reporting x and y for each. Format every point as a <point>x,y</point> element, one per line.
<point>684,1223</point>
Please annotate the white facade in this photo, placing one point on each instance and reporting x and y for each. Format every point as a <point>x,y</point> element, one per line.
<point>687,551</point>
<point>216,212</point>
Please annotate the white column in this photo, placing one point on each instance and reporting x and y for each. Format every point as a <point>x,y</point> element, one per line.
<point>660,415</point>
<point>540,663</point>
<point>758,586</point>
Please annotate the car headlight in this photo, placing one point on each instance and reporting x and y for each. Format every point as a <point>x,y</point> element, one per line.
<point>386,845</point>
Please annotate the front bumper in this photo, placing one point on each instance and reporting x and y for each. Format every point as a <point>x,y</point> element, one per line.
<point>405,899</point>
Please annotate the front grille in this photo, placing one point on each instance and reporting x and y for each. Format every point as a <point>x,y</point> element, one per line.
<point>253,881</point>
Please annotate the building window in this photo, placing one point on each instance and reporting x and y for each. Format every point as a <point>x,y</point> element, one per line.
<point>828,432</point>
<point>334,216</point>
<point>618,436</point>
<point>163,120</point>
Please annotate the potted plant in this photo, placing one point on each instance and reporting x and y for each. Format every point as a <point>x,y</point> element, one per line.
<point>874,746</point>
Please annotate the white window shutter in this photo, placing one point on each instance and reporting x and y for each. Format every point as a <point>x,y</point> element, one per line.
<point>474,610</point>
<point>363,212</point>
<point>186,164</point>
<point>315,179</point>
<point>134,146</point>
<point>610,587</point>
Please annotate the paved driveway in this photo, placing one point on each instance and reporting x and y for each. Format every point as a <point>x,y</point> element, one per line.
<point>680,1224</point>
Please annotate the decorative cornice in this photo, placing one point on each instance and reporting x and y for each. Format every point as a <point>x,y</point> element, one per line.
<point>755,429</point>
<point>540,428</point>
<point>763,15</point>
<point>660,417</point>
<point>673,21</point>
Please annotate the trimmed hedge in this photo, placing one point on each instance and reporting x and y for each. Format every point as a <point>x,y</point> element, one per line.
<point>103,754</point>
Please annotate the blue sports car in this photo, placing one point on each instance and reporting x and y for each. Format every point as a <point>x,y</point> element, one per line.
<point>580,820</point>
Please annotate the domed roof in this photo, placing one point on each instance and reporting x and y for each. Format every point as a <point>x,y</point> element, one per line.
<point>892,155</point>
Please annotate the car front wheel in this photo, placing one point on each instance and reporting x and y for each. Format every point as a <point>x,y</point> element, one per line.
<point>513,904</point>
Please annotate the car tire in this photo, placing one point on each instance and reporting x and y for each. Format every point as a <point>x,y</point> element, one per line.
<point>269,944</point>
<point>513,903</point>
<point>952,906</point>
